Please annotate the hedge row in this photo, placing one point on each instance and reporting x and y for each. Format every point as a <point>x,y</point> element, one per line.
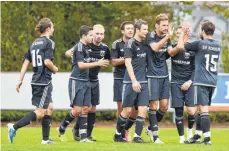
<point>12,115</point>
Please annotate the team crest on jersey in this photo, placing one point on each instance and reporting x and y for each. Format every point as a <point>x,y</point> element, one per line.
<point>102,53</point>
<point>122,50</point>
<point>186,55</point>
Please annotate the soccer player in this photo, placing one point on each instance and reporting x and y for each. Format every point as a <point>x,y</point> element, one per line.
<point>41,55</point>
<point>157,73</point>
<point>97,51</point>
<point>135,90</point>
<point>79,85</point>
<point>206,60</point>
<point>182,91</point>
<point>118,61</point>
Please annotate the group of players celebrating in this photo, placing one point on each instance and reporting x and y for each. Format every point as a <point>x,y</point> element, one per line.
<point>141,80</point>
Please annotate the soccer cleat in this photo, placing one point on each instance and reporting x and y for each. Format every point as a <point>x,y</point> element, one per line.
<point>48,142</point>
<point>61,136</point>
<point>157,140</point>
<point>11,132</point>
<point>127,136</point>
<point>86,140</point>
<point>75,134</point>
<point>138,140</point>
<point>119,138</point>
<point>194,139</point>
<point>181,141</point>
<point>206,143</point>
<point>91,139</point>
<point>149,133</point>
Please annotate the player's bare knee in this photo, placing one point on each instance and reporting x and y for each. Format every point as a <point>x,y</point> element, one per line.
<point>85,109</point>
<point>164,108</point>
<point>142,111</point>
<point>40,113</point>
<point>50,109</point>
<point>153,105</point>
<point>191,111</point>
<point>92,109</point>
<point>203,108</point>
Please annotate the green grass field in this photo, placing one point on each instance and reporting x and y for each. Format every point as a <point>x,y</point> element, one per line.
<point>29,139</point>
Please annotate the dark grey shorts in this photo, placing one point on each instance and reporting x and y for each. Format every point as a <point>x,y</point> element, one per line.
<point>42,95</point>
<point>180,98</point>
<point>79,93</point>
<point>117,87</point>
<point>158,88</point>
<point>95,93</point>
<point>131,98</point>
<point>203,95</point>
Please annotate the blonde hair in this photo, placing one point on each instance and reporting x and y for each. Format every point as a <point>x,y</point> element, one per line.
<point>161,17</point>
<point>43,24</point>
<point>98,26</point>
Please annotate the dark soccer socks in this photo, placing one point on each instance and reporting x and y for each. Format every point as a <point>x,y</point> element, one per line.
<point>153,120</point>
<point>179,120</point>
<point>205,125</point>
<point>83,126</point>
<point>129,123</point>
<point>26,120</point>
<point>191,121</point>
<point>139,126</point>
<point>120,126</point>
<point>68,119</point>
<point>160,114</point>
<point>46,123</point>
<point>91,122</point>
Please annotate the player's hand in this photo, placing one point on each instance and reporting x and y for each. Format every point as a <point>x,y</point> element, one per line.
<point>136,86</point>
<point>170,30</point>
<point>69,53</point>
<point>18,86</point>
<point>55,69</point>
<point>103,62</point>
<point>186,33</point>
<point>186,85</point>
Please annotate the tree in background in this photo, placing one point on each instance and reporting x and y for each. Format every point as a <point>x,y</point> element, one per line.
<point>20,18</point>
<point>222,9</point>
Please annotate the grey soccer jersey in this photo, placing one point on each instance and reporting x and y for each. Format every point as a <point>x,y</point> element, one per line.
<point>137,52</point>
<point>206,61</point>
<point>183,66</point>
<point>156,61</point>
<point>118,52</point>
<point>42,48</point>
<point>80,54</point>
<point>96,53</point>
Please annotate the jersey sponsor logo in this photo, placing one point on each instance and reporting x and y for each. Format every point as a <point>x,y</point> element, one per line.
<point>186,55</point>
<point>141,55</point>
<point>181,62</point>
<point>102,53</point>
<point>87,59</point>
<point>122,50</point>
<point>162,50</point>
<point>89,50</point>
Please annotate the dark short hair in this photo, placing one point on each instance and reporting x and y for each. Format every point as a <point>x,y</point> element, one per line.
<point>208,27</point>
<point>123,24</point>
<point>138,24</point>
<point>43,24</point>
<point>84,30</point>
